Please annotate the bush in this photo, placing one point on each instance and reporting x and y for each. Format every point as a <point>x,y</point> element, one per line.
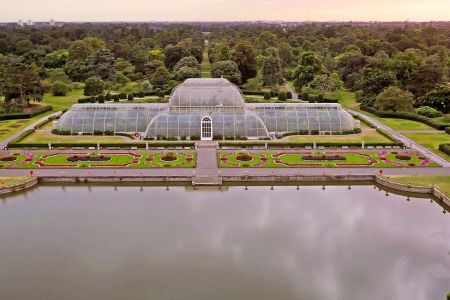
<point>100,99</point>
<point>13,116</point>
<point>195,138</point>
<point>141,95</point>
<point>116,98</point>
<point>445,148</point>
<point>282,96</point>
<point>267,96</point>
<point>108,97</point>
<point>305,96</point>
<point>289,95</point>
<point>130,97</point>
<point>123,96</point>
<point>447,130</point>
<point>320,98</point>
<point>59,88</point>
<point>428,112</point>
<point>357,130</point>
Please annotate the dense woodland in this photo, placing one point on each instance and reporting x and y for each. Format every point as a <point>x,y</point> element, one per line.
<point>390,68</point>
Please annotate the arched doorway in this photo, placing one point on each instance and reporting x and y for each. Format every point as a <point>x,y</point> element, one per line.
<point>206,129</point>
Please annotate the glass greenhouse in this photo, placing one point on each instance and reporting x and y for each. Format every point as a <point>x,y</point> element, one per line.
<point>206,108</point>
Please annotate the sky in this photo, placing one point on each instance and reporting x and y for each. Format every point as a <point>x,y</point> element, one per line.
<point>225,10</point>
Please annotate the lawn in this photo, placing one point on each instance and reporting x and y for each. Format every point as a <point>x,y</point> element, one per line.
<point>205,67</point>
<point>402,124</point>
<point>431,141</point>
<point>44,135</point>
<point>10,127</point>
<point>367,135</point>
<point>9,181</point>
<point>441,181</point>
<point>292,159</point>
<point>83,159</point>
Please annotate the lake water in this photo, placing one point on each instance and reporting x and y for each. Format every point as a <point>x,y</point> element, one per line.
<point>101,242</point>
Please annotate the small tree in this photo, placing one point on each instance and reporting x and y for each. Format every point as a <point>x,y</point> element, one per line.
<point>394,99</point>
<point>130,97</point>
<point>59,88</point>
<point>289,95</point>
<point>428,112</point>
<point>266,95</point>
<point>305,96</point>
<point>93,86</point>
<point>320,98</point>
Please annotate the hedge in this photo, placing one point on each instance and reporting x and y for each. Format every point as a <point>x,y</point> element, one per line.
<point>255,93</point>
<point>272,144</point>
<point>388,135</point>
<point>408,116</point>
<point>447,130</point>
<point>445,148</point>
<point>32,114</point>
<point>14,144</point>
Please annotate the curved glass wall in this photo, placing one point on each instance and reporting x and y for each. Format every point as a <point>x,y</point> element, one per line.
<point>232,124</point>
<point>108,118</point>
<point>206,92</point>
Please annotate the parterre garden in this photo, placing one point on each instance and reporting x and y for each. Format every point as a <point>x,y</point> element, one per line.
<point>32,160</point>
<point>292,159</point>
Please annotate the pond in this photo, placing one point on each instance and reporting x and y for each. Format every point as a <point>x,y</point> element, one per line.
<point>131,242</point>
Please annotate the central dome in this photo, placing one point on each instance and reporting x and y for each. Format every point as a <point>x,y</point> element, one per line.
<point>206,92</point>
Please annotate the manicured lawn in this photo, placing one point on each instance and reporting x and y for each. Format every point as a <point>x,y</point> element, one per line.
<point>441,181</point>
<point>27,160</point>
<point>346,99</point>
<point>367,135</point>
<point>8,181</point>
<point>431,141</point>
<point>401,124</point>
<point>383,159</point>
<point>205,67</point>
<point>10,127</point>
<point>44,135</point>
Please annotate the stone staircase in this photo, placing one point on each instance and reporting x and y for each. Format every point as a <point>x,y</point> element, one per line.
<point>206,180</point>
<point>206,145</point>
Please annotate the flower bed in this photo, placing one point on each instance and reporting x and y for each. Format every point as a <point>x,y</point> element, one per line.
<point>323,157</point>
<point>88,158</point>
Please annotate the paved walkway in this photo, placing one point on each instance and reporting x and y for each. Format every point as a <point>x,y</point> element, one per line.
<point>410,143</point>
<point>294,93</point>
<point>5,142</point>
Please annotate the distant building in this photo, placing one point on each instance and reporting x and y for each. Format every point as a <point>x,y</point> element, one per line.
<point>52,22</point>
<point>30,23</point>
<point>20,23</point>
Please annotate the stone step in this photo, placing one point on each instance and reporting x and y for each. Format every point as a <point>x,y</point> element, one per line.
<point>207,180</point>
<point>207,145</point>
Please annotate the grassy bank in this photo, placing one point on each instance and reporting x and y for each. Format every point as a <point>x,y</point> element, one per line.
<point>441,181</point>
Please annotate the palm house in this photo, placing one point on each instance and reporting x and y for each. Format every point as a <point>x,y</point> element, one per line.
<point>206,108</point>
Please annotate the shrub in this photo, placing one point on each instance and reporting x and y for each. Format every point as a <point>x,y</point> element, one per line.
<point>141,95</point>
<point>130,97</point>
<point>282,96</point>
<point>320,98</point>
<point>101,99</point>
<point>59,88</point>
<point>116,98</point>
<point>123,96</point>
<point>428,112</point>
<point>314,132</point>
<point>357,130</point>
<point>305,96</point>
<point>289,95</point>
<point>267,96</point>
<point>445,148</point>
<point>195,138</point>
<point>108,97</point>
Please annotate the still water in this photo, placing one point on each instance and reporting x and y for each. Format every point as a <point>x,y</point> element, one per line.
<point>101,242</point>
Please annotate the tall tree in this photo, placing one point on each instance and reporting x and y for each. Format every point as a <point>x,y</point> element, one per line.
<point>94,86</point>
<point>394,99</point>
<point>227,69</point>
<point>272,72</point>
<point>244,55</point>
<point>308,66</point>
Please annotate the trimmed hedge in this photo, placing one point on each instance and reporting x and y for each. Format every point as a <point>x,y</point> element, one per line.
<point>408,116</point>
<point>255,93</point>
<point>122,145</point>
<point>14,116</point>
<point>365,121</point>
<point>21,137</point>
<point>445,148</point>
<point>272,144</point>
<point>388,135</point>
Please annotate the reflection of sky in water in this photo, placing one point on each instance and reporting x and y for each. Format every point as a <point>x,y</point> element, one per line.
<point>81,243</point>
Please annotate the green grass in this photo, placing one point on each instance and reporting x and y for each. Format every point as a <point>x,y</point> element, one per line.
<point>137,160</point>
<point>295,159</point>
<point>10,127</point>
<point>402,124</point>
<point>367,135</point>
<point>431,141</point>
<point>441,181</point>
<point>205,67</point>
<point>44,135</point>
<point>9,181</point>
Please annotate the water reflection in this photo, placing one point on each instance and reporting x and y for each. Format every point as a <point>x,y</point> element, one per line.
<point>134,242</point>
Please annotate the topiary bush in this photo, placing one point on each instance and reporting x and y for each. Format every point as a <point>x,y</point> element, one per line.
<point>282,96</point>
<point>289,95</point>
<point>428,112</point>
<point>130,97</point>
<point>267,96</point>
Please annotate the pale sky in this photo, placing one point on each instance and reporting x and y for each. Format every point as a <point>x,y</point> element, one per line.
<point>225,10</point>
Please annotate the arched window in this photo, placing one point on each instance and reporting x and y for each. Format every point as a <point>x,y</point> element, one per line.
<point>206,129</point>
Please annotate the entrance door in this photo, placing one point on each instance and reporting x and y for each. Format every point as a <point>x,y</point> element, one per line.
<point>206,128</point>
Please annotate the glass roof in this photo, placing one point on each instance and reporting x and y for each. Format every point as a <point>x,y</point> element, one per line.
<point>206,92</point>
